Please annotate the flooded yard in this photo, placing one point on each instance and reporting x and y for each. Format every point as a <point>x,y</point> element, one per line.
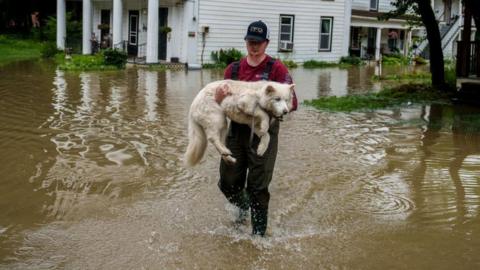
<point>91,177</point>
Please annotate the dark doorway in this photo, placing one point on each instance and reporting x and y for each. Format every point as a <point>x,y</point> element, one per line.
<point>371,42</point>
<point>355,42</point>
<point>132,48</point>
<point>162,35</point>
<point>105,28</point>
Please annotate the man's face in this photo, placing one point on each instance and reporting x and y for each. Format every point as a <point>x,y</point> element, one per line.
<point>256,48</point>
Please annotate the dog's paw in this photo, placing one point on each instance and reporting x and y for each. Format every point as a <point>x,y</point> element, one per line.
<point>229,159</point>
<point>261,149</point>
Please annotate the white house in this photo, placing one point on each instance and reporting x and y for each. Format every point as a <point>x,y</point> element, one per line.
<point>299,31</point>
<point>450,17</point>
<point>323,30</point>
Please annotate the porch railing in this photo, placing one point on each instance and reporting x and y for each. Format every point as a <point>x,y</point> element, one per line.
<point>468,58</point>
<point>140,56</point>
<point>122,45</point>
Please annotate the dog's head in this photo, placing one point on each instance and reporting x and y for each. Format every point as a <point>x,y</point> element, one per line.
<point>276,98</point>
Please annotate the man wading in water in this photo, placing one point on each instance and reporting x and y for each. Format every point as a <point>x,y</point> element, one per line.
<point>245,183</point>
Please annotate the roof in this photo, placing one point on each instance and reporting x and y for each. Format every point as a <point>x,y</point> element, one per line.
<point>376,14</point>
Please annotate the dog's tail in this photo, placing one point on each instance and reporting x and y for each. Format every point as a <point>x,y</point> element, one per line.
<point>197,143</point>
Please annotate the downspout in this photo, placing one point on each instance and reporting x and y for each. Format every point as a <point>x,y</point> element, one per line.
<point>204,41</point>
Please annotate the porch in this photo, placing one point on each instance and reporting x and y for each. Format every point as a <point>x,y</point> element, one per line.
<point>372,42</point>
<point>371,38</point>
<point>150,31</point>
<point>468,63</point>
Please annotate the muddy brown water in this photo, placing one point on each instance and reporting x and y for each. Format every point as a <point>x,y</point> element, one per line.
<point>91,178</point>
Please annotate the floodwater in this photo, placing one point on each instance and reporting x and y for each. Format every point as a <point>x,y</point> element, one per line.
<point>91,178</point>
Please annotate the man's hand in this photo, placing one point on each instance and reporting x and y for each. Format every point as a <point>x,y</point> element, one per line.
<point>221,92</point>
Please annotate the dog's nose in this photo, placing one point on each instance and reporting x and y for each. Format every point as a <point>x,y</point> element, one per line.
<point>285,111</point>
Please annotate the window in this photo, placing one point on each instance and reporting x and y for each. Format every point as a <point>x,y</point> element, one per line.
<point>373,4</point>
<point>285,42</point>
<point>326,27</point>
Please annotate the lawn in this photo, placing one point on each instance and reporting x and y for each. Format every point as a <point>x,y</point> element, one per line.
<point>391,97</point>
<point>12,49</point>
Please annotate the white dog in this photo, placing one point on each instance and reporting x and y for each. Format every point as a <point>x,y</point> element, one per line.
<point>249,103</point>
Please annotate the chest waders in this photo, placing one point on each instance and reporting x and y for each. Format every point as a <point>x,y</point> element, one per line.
<point>250,170</point>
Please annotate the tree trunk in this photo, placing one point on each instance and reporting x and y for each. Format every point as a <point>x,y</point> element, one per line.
<point>434,41</point>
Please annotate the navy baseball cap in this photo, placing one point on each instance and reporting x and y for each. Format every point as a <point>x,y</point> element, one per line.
<point>257,31</point>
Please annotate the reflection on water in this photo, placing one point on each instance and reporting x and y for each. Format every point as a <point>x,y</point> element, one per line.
<point>339,82</point>
<point>92,178</point>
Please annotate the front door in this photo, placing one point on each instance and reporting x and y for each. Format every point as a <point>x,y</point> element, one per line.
<point>132,48</point>
<point>371,42</point>
<point>162,35</point>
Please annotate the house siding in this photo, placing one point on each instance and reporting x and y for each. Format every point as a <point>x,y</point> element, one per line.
<point>383,5</point>
<point>228,19</point>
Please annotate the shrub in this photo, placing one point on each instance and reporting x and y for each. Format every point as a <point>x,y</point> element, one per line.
<point>49,49</point>
<point>290,63</point>
<point>448,62</point>
<point>83,62</point>
<point>226,56</point>
<point>74,28</point>
<point>395,59</point>
<point>113,57</point>
<point>351,60</point>
<point>80,62</point>
<point>451,76</point>
<point>419,60</point>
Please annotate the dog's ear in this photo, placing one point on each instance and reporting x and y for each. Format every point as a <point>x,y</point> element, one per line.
<point>269,89</point>
<point>292,87</point>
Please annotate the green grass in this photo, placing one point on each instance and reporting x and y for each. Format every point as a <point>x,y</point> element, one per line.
<point>83,63</point>
<point>395,60</point>
<point>318,64</point>
<point>415,76</point>
<point>345,62</point>
<point>14,49</point>
<point>214,66</point>
<point>401,95</point>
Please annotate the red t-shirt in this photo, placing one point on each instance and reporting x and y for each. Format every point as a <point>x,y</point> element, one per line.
<point>279,73</point>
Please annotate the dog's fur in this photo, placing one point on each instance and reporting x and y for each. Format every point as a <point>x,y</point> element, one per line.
<point>244,101</point>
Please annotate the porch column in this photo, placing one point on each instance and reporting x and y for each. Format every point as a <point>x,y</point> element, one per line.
<point>61,24</point>
<point>189,42</point>
<point>117,24</point>
<point>408,42</point>
<point>348,20</point>
<point>152,32</point>
<point>378,43</point>
<point>87,27</point>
